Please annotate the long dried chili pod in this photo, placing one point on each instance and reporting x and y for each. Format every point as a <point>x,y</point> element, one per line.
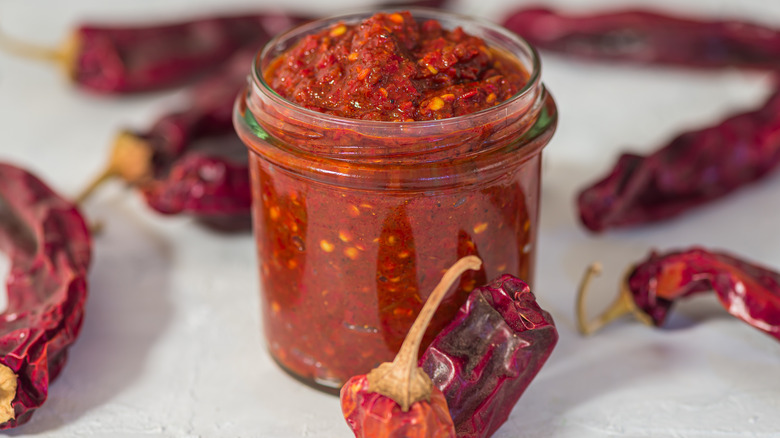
<point>49,247</point>
<point>488,355</point>
<point>746,290</point>
<point>397,399</point>
<point>175,178</point>
<point>127,58</point>
<point>646,37</point>
<point>694,168</point>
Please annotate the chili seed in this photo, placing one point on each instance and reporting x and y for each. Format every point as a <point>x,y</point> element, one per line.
<point>432,69</point>
<point>326,246</point>
<point>274,212</point>
<point>352,253</point>
<point>338,31</point>
<point>436,104</point>
<point>344,236</point>
<point>353,56</point>
<point>396,18</point>
<point>480,227</point>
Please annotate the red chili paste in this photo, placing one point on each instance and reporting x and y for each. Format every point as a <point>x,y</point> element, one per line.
<point>393,68</point>
<point>347,260</point>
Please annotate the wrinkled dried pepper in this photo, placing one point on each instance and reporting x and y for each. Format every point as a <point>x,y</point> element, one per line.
<point>173,176</point>
<point>694,168</point>
<point>746,290</point>
<point>397,399</point>
<point>488,355</point>
<point>647,37</point>
<point>49,247</point>
<point>126,59</point>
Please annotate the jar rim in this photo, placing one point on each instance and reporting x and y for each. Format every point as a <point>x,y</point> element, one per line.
<point>531,85</point>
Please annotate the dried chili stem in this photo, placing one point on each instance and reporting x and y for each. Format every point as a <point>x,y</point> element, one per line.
<point>402,380</point>
<point>8,384</point>
<point>130,160</point>
<point>623,304</point>
<point>63,56</point>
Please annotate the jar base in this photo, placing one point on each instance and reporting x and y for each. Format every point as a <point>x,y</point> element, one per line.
<point>326,386</point>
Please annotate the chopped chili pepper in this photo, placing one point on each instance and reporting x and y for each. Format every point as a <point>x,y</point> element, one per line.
<point>746,290</point>
<point>488,355</point>
<point>126,59</point>
<point>647,37</point>
<point>422,72</point>
<point>694,168</point>
<point>397,399</point>
<point>49,247</point>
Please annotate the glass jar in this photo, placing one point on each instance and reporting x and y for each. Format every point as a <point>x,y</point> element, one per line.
<point>355,221</point>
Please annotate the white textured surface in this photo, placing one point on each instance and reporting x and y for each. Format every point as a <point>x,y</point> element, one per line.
<point>171,343</point>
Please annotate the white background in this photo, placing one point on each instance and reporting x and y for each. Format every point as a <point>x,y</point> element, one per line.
<point>171,344</point>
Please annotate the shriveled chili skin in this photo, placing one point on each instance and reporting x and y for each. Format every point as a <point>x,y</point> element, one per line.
<point>372,415</point>
<point>646,37</point>
<point>488,355</point>
<point>747,291</point>
<point>213,185</point>
<point>217,190</point>
<point>127,59</point>
<point>390,67</point>
<point>49,247</point>
<point>694,168</point>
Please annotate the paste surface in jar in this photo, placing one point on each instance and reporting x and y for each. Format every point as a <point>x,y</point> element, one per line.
<point>391,67</point>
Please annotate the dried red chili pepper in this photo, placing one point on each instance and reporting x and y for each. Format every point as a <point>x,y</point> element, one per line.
<point>397,399</point>
<point>126,59</point>
<point>49,247</point>
<point>694,168</point>
<point>488,355</point>
<point>174,178</point>
<point>647,37</point>
<point>746,290</point>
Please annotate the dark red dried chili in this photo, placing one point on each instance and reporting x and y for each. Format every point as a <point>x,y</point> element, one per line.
<point>126,59</point>
<point>49,247</point>
<point>694,168</point>
<point>176,178</point>
<point>650,38</point>
<point>488,355</point>
<point>746,290</point>
<point>397,399</point>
